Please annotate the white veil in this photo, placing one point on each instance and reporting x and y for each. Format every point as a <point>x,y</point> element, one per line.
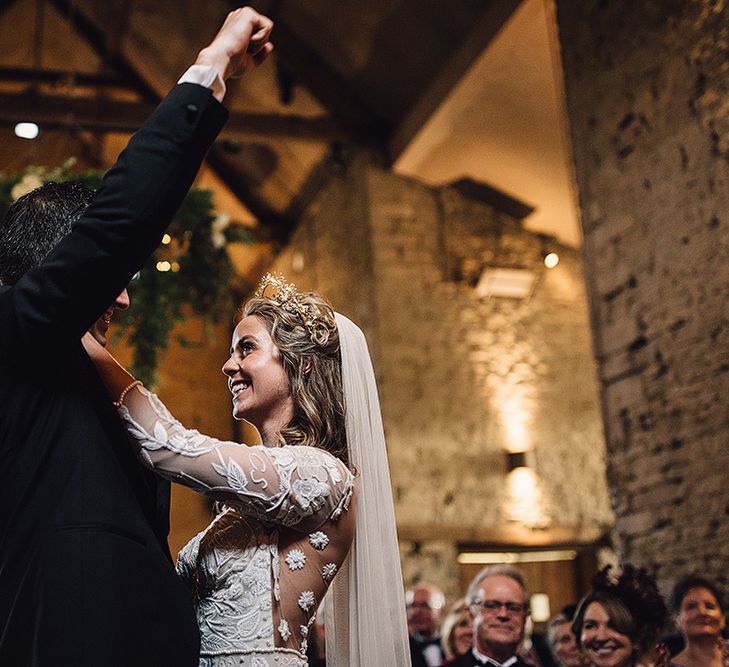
<point>365,606</point>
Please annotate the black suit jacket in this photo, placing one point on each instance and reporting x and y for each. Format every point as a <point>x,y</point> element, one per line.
<point>470,660</point>
<point>85,572</point>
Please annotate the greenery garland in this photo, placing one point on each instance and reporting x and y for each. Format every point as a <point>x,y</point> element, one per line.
<point>191,268</point>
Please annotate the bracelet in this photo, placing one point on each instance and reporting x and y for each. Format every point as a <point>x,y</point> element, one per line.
<point>125,391</point>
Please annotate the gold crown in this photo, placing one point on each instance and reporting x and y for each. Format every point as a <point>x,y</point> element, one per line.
<point>286,296</point>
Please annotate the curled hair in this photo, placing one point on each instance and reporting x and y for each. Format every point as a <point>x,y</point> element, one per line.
<point>632,602</point>
<point>35,223</point>
<point>683,586</point>
<point>313,365</point>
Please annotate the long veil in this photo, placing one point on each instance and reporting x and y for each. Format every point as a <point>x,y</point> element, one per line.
<point>365,607</point>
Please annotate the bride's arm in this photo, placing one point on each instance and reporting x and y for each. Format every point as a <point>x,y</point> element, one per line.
<point>289,485</point>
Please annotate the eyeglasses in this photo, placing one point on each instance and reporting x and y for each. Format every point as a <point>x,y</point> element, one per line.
<point>494,606</point>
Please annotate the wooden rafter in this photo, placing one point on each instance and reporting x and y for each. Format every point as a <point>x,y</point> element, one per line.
<point>108,115</point>
<point>110,55</point>
<point>277,225</point>
<point>322,81</point>
<point>496,14</point>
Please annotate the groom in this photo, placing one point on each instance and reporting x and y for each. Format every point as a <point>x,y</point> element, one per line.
<point>85,573</point>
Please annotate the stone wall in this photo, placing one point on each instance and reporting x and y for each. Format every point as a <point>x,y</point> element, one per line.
<point>462,379</point>
<point>648,100</point>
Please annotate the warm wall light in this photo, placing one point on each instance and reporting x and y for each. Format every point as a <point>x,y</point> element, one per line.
<point>26,130</point>
<point>515,557</point>
<point>505,283</point>
<point>551,260</point>
<point>297,261</point>
<point>540,608</point>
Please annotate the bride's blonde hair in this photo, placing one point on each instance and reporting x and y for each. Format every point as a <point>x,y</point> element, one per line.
<point>311,357</point>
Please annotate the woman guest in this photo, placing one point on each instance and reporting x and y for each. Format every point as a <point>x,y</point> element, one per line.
<point>618,623</point>
<point>562,642</point>
<point>309,507</point>
<point>699,613</point>
<point>456,631</point>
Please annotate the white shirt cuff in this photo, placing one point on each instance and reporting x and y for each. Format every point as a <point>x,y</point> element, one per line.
<point>205,75</point>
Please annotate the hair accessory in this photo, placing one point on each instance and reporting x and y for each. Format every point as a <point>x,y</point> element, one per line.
<point>286,296</point>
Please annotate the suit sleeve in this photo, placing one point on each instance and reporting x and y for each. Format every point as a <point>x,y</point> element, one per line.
<point>123,225</point>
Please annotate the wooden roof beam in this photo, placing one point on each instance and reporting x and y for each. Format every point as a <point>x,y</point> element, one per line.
<point>467,51</point>
<point>105,115</point>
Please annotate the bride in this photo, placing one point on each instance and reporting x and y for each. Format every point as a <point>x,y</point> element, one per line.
<point>307,512</point>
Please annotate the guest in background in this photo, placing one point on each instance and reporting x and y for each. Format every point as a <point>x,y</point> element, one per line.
<point>499,606</point>
<point>562,642</point>
<point>618,623</point>
<point>425,603</point>
<point>456,631</point>
<point>698,607</point>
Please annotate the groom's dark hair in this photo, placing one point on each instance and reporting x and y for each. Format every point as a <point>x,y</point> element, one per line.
<point>36,222</point>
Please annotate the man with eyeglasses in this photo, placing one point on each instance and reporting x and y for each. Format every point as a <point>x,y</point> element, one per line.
<point>499,604</point>
<point>425,603</point>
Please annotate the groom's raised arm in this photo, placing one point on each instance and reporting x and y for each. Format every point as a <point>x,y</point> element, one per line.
<point>139,195</point>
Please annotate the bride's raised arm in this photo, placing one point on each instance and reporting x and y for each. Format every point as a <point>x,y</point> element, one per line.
<point>293,486</point>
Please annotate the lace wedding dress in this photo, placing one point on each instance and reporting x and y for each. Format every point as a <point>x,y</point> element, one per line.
<point>259,571</point>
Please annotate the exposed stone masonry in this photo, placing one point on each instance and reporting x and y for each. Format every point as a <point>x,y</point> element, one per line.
<point>461,378</point>
<point>648,99</point>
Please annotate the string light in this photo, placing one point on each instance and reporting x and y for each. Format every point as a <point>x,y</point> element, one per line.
<point>163,266</point>
<point>551,260</point>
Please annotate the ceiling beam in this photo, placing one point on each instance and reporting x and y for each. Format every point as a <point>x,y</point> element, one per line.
<point>57,77</point>
<point>4,4</point>
<point>467,51</point>
<point>97,39</point>
<point>107,115</point>
<point>331,89</point>
<point>274,227</point>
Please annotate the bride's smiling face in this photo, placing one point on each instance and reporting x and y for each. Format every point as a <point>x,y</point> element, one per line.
<point>256,376</point>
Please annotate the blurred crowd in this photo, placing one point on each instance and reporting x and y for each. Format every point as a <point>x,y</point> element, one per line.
<point>623,621</point>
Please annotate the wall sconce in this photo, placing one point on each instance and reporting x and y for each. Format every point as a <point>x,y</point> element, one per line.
<point>540,607</point>
<point>516,460</point>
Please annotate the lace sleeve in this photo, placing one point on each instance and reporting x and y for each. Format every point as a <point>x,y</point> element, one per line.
<point>293,485</point>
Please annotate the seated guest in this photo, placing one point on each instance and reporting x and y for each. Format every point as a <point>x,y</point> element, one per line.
<point>618,623</point>
<point>699,614</point>
<point>562,642</point>
<point>499,605</point>
<point>424,603</point>
<point>456,631</point>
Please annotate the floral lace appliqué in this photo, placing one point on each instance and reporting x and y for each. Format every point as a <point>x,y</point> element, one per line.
<point>306,600</point>
<point>283,629</point>
<point>328,571</point>
<point>318,540</point>
<point>310,494</point>
<point>295,559</point>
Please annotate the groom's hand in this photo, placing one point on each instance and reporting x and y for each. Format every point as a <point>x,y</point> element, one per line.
<point>240,45</point>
